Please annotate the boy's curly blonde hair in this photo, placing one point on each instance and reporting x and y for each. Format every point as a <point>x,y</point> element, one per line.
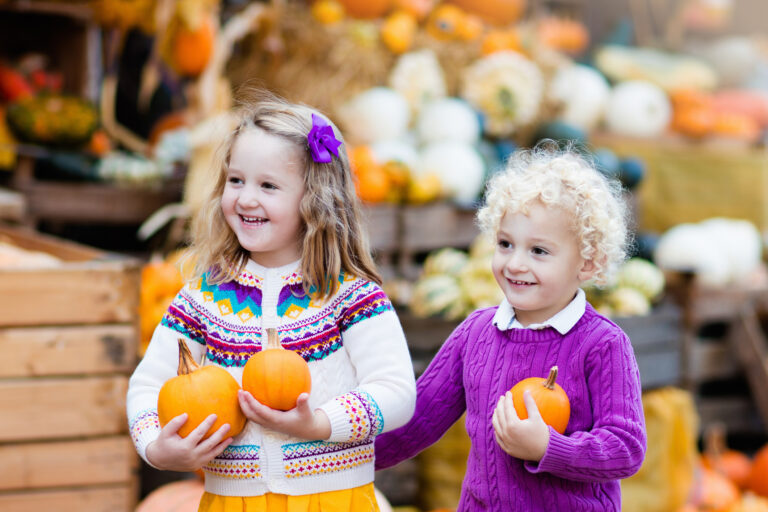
<point>562,178</point>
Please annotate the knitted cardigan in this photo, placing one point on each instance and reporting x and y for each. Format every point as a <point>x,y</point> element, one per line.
<point>362,376</point>
<point>580,470</point>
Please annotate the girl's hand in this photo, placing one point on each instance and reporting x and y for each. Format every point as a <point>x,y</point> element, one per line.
<point>525,439</point>
<point>175,453</point>
<point>297,422</point>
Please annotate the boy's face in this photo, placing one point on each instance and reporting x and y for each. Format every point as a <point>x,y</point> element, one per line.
<point>537,262</point>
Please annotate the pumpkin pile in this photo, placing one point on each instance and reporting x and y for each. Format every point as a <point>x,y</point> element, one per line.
<point>728,480</point>
<point>454,283</point>
<point>638,284</point>
<point>161,280</point>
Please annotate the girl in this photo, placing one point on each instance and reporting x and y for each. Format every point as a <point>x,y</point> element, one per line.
<point>279,244</point>
<point>557,223</point>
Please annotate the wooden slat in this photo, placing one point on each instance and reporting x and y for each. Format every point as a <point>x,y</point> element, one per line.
<point>749,341</point>
<point>736,412</point>
<point>48,351</point>
<point>62,249</point>
<point>12,205</point>
<point>98,461</point>
<point>437,225</point>
<point>711,360</point>
<point>382,222</point>
<point>103,293</point>
<point>116,498</point>
<point>60,408</point>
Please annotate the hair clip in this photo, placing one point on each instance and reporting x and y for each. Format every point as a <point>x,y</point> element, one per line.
<point>322,141</point>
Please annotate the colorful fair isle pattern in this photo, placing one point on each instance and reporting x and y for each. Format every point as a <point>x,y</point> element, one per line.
<point>145,420</point>
<point>236,462</point>
<point>363,413</point>
<point>319,457</point>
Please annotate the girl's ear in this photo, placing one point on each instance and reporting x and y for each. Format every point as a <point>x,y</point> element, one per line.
<point>587,270</point>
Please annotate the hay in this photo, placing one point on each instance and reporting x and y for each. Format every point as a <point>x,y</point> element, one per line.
<point>324,66</point>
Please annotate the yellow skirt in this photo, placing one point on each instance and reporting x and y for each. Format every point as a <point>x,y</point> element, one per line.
<point>358,499</point>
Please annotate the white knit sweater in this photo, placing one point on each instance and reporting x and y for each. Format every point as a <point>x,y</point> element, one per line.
<point>362,376</point>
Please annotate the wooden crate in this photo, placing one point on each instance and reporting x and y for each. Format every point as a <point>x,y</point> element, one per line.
<point>69,341</point>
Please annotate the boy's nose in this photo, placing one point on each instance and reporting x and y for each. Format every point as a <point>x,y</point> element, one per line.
<point>516,262</point>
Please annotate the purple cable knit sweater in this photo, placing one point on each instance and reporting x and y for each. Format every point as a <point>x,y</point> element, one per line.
<point>580,471</point>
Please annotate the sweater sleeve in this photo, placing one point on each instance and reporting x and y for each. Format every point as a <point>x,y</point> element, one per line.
<point>160,363</point>
<point>375,344</point>
<point>440,402</point>
<point>615,447</point>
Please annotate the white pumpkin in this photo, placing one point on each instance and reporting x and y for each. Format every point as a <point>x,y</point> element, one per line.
<point>399,150</point>
<point>581,93</point>
<point>459,166</point>
<point>637,108</point>
<point>448,119</point>
<point>379,113</point>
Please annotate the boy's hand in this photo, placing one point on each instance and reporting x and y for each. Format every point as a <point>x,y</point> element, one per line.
<point>175,453</point>
<point>525,439</point>
<point>300,421</point>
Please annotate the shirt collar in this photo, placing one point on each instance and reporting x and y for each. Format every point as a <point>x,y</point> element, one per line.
<point>562,321</point>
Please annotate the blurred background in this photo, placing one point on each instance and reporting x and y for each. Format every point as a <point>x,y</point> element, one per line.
<point>109,115</point>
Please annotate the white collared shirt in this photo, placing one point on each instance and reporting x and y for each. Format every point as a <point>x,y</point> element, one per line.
<point>562,321</point>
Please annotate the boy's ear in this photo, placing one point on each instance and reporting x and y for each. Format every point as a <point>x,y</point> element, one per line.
<point>587,270</point>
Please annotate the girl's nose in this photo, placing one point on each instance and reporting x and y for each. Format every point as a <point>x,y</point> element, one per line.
<point>248,198</point>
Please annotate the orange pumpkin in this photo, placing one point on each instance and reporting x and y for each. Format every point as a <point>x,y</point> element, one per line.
<point>732,464</point>
<point>502,12</point>
<point>550,398</point>
<point>569,36</point>
<point>417,8</point>
<point>192,47</point>
<point>758,476</point>
<point>501,40</point>
<point>398,31</point>
<point>713,492</point>
<point>200,392</point>
<point>275,376</point>
<point>366,9</point>
<point>179,496</point>
<point>736,126</point>
<point>328,12</point>
<point>750,503</point>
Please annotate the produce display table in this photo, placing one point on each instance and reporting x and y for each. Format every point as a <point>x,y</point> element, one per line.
<point>690,182</point>
<point>69,335</point>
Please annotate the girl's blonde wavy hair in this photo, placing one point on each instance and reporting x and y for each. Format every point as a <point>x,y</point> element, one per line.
<point>332,236</point>
<point>562,178</point>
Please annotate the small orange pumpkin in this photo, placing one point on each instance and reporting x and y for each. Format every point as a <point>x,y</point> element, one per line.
<point>366,9</point>
<point>200,392</point>
<point>398,31</point>
<point>192,47</point>
<point>275,376</point>
<point>713,492</point>
<point>550,398</point>
<point>501,12</point>
<point>758,476</point>
<point>178,496</point>
<point>732,464</point>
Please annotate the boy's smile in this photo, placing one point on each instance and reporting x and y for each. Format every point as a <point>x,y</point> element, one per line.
<point>537,262</point>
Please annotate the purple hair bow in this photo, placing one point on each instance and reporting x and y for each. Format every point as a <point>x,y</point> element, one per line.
<point>322,141</point>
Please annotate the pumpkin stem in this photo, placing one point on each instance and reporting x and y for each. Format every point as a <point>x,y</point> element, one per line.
<point>714,440</point>
<point>186,363</point>
<point>273,342</point>
<point>550,383</point>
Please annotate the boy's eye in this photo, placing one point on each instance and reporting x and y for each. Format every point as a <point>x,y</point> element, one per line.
<point>504,244</point>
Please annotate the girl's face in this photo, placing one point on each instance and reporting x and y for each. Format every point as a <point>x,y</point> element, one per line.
<point>537,262</point>
<point>264,186</point>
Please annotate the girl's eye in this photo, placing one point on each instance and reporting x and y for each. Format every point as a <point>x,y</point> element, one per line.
<point>540,251</point>
<point>269,185</point>
<point>234,179</point>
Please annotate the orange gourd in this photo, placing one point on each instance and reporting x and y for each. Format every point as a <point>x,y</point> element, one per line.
<point>758,476</point>
<point>569,36</point>
<point>179,496</point>
<point>398,31</point>
<point>192,47</point>
<point>200,392</point>
<point>502,12</point>
<point>550,398</point>
<point>732,464</point>
<point>275,376</point>
<point>366,9</point>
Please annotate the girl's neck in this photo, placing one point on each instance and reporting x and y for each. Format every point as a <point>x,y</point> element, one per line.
<point>258,268</point>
